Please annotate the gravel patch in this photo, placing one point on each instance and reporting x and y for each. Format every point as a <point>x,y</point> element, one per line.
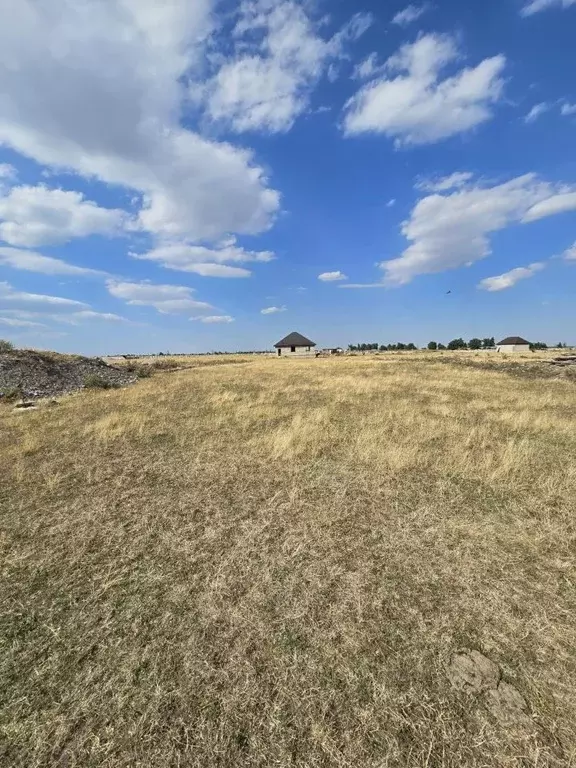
<point>47,374</point>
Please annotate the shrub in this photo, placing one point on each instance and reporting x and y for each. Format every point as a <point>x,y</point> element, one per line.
<point>6,346</point>
<point>457,344</point>
<point>93,381</point>
<point>143,372</point>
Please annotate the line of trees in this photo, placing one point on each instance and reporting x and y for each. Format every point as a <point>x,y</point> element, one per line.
<point>455,344</point>
<point>487,343</point>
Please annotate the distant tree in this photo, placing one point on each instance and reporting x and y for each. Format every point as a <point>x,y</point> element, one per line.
<point>475,344</point>
<point>412,347</point>
<point>441,347</point>
<point>433,346</point>
<point>488,343</point>
<point>400,346</point>
<point>383,347</point>
<point>374,347</point>
<point>538,345</point>
<point>560,345</point>
<point>352,348</point>
<point>457,344</point>
<point>392,347</point>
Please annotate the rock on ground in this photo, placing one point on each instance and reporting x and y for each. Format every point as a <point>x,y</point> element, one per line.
<point>47,374</point>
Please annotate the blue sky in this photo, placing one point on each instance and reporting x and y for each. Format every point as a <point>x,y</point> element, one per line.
<point>212,175</point>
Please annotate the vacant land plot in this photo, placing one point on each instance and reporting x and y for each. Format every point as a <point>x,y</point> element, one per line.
<point>280,563</point>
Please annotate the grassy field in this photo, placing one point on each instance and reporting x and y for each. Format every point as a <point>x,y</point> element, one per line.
<point>271,563</point>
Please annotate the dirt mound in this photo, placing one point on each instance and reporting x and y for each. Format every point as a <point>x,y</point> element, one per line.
<point>46,374</point>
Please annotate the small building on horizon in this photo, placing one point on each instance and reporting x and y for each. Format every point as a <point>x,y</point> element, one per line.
<point>513,344</point>
<point>296,345</point>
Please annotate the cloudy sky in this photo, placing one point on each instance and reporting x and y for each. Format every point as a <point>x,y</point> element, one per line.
<point>190,176</point>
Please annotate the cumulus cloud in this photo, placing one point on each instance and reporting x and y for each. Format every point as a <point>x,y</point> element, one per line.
<point>209,262</point>
<point>111,78</point>
<point>537,111</point>
<point>509,279</point>
<point>46,265</point>
<point>272,310</point>
<point>560,203</point>
<point>570,253</point>
<point>568,109</point>
<point>36,216</point>
<point>535,6</point>
<point>453,230</point>
<point>414,104</point>
<point>214,319</point>
<point>331,277</point>
<point>445,183</point>
<point>10,297</point>
<point>410,14</point>
<point>167,299</point>
<point>279,57</point>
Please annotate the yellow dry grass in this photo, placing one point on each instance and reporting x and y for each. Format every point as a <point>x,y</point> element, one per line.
<point>270,564</point>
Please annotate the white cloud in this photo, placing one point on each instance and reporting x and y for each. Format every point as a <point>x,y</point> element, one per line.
<point>272,310</point>
<point>36,301</point>
<point>391,203</point>
<point>214,319</point>
<point>367,68</point>
<point>536,111</point>
<point>279,57</point>
<point>541,5</point>
<point>450,231</point>
<point>559,203</point>
<point>36,216</point>
<point>167,299</point>
<point>570,253</point>
<point>209,262</point>
<point>14,322</point>
<point>331,277</point>
<point>410,14</point>
<point>509,279</point>
<point>414,105</point>
<point>7,171</point>
<point>46,265</point>
<point>445,183</point>
<point>90,314</point>
<point>110,75</point>
<point>70,318</point>
<point>363,285</point>
<point>568,109</point>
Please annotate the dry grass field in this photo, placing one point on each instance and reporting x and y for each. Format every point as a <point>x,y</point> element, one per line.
<point>272,563</point>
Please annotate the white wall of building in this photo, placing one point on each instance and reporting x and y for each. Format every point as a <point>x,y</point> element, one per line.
<point>513,348</point>
<point>298,352</point>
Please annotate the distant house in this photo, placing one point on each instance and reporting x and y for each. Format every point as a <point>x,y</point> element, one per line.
<point>295,345</point>
<point>513,344</point>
